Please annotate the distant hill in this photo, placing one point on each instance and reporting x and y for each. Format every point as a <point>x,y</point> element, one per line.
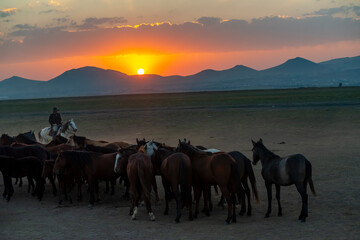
<point>92,81</point>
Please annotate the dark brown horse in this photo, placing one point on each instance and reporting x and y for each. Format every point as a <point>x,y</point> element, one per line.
<point>93,166</point>
<point>56,141</point>
<point>81,142</point>
<point>23,138</point>
<point>210,169</point>
<point>284,171</point>
<point>30,167</point>
<point>140,173</point>
<point>176,172</point>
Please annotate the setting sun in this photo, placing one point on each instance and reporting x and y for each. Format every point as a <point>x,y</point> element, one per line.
<point>140,71</point>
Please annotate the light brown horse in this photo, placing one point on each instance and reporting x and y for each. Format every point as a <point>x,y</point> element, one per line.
<point>210,169</point>
<point>140,173</point>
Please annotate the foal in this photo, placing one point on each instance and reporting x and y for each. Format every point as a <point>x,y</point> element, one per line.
<point>294,169</point>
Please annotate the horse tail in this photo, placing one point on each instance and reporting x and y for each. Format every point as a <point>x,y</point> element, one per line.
<point>236,176</point>
<point>252,179</point>
<point>142,178</point>
<point>183,181</point>
<point>308,176</point>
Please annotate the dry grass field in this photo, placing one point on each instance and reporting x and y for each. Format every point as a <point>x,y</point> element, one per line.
<point>325,127</point>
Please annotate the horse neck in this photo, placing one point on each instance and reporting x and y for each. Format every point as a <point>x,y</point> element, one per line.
<point>64,127</point>
<point>266,155</point>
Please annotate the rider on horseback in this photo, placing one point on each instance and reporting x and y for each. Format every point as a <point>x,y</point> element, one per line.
<point>55,121</point>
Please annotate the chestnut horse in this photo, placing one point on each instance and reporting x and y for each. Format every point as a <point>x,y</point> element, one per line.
<point>284,171</point>
<point>175,171</point>
<point>210,169</point>
<point>140,173</point>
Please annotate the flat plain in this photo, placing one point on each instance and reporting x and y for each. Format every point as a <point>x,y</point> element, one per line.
<point>322,124</point>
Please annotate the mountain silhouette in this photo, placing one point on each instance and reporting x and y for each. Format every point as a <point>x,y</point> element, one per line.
<point>93,81</point>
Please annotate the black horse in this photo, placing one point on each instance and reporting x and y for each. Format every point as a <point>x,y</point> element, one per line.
<point>284,171</point>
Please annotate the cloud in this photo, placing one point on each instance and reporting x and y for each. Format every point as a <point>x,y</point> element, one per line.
<point>8,12</point>
<point>343,11</point>
<point>54,3</point>
<point>208,21</point>
<point>94,38</point>
<point>49,11</point>
<point>94,23</point>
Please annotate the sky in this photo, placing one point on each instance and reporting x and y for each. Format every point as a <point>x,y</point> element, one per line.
<point>40,39</point>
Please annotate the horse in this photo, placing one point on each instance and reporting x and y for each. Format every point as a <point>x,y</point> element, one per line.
<point>120,166</point>
<point>56,141</point>
<point>27,138</point>
<point>81,142</point>
<point>21,167</point>
<point>64,131</point>
<point>175,171</point>
<point>210,169</point>
<point>6,140</point>
<point>140,172</point>
<point>149,149</point>
<point>93,166</point>
<point>284,171</point>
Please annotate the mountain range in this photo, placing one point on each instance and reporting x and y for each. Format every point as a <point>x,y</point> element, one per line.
<point>91,81</point>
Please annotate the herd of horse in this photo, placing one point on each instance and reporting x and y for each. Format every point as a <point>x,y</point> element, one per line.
<point>185,170</point>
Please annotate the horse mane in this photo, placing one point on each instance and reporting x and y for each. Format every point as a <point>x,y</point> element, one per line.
<point>269,153</point>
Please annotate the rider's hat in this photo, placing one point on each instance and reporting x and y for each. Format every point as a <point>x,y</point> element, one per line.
<point>55,109</point>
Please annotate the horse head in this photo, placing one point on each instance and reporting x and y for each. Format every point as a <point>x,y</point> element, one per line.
<point>60,164</point>
<point>256,149</point>
<point>72,125</point>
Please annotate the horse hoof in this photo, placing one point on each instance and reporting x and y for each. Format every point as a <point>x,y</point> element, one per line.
<point>191,218</point>
<point>166,212</point>
<point>90,205</point>
<point>60,202</point>
<point>249,213</point>
<point>279,214</point>
<point>241,214</point>
<point>267,215</point>
<point>177,220</point>
<point>227,222</point>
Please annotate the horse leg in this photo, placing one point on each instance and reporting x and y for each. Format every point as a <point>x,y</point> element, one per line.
<point>79,194</point>
<point>107,187</point>
<point>210,202</point>
<point>127,185</point>
<point>30,183</point>
<point>113,183</point>
<point>10,190</point>
<point>226,193</point>
<point>221,202</point>
<point>177,194</point>
<point>233,198</point>
<point>269,196</point>
<point>52,181</point>
<point>92,184</point>
<point>248,196</point>
<point>167,195</point>
<point>304,197</point>
<point>155,188</point>
<point>206,189</point>
<point>197,193</point>
<point>61,189</point>
<point>97,191</point>
<point>41,182</point>
<point>189,199</point>
<point>278,199</point>
<point>241,197</point>
<point>135,202</point>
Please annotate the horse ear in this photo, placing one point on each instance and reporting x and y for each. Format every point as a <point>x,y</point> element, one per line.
<point>137,141</point>
<point>179,141</point>
<point>253,142</point>
<point>261,140</point>
<point>145,146</point>
<point>189,142</point>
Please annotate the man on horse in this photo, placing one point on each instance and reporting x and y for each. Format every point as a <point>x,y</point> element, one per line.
<point>55,122</point>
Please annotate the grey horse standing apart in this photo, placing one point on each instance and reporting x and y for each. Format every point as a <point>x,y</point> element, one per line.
<point>284,171</point>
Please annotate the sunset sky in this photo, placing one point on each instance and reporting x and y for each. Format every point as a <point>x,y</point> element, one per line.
<point>42,39</point>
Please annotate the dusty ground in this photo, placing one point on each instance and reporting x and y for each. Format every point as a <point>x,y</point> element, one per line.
<point>327,136</point>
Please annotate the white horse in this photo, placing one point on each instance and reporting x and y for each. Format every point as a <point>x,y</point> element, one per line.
<point>64,130</point>
<point>149,148</point>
